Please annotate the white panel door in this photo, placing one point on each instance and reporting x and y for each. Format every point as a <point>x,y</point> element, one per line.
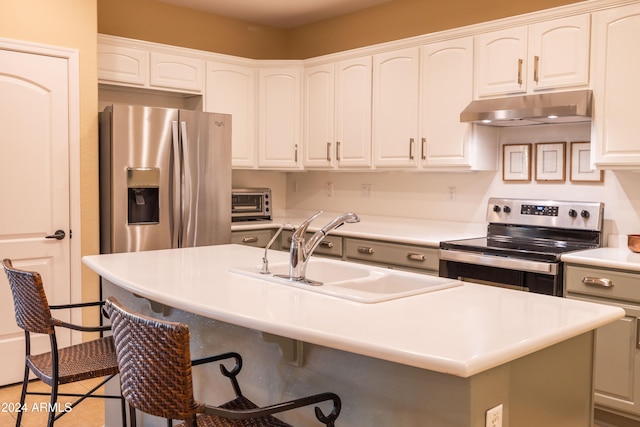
<point>34,171</point>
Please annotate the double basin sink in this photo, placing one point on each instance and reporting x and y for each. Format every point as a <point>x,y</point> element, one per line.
<point>355,282</point>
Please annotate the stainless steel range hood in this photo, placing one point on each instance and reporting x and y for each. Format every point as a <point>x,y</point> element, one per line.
<point>546,108</point>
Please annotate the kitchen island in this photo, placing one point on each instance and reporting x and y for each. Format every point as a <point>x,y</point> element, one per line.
<point>440,358</point>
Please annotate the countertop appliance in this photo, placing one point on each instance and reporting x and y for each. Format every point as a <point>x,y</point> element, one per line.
<point>524,242</point>
<point>165,178</point>
<point>251,204</point>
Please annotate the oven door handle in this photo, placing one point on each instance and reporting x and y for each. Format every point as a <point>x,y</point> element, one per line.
<point>499,262</point>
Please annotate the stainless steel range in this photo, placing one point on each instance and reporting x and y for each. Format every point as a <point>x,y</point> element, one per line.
<point>524,242</point>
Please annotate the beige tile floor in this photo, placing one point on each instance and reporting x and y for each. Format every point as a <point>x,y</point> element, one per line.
<point>89,413</point>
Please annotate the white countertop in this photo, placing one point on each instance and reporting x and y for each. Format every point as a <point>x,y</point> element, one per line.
<point>460,331</point>
<point>395,229</point>
<point>618,257</point>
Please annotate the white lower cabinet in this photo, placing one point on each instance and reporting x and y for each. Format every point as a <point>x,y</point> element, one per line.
<point>617,370</point>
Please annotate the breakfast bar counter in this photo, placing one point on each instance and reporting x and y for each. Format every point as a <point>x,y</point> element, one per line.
<point>435,358</point>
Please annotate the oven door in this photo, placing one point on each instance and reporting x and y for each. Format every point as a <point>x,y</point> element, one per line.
<point>526,275</point>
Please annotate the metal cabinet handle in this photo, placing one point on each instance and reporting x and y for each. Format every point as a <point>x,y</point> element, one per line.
<point>365,250</point>
<point>338,151</point>
<point>326,244</point>
<point>328,151</point>
<point>250,239</point>
<point>423,148</point>
<point>295,153</point>
<point>416,256</point>
<point>520,61</point>
<point>58,235</point>
<point>536,61</point>
<point>597,281</point>
<point>411,143</point>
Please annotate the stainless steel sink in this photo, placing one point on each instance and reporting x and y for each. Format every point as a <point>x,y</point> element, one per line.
<point>355,282</point>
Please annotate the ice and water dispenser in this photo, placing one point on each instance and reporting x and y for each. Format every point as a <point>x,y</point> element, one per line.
<point>143,188</point>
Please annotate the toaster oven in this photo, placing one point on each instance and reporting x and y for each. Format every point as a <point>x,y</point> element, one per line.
<point>251,204</point>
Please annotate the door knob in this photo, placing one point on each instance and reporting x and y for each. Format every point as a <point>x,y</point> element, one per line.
<point>58,235</point>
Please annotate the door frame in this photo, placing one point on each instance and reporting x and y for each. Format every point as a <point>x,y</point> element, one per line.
<point>73,66</point>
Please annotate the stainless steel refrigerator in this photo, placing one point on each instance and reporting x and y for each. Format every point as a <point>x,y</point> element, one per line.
<point>165,178</point>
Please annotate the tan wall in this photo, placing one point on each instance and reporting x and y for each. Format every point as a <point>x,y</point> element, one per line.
<point>70,24</point>
<point>164,23</point>
<point>400,19</point>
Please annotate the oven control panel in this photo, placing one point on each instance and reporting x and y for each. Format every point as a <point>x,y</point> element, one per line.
<point>539,210</point>
<point>546,213</point>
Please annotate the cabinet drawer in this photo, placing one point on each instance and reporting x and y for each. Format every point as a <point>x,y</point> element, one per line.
<point>258,238</point>
<point>614,284</point>
<point>392,254</point>
<point>330,245</point>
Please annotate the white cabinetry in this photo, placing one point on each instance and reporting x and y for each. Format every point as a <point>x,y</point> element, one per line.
<point>396,77</point>
<point>616,88</point>
<point>319,116</point>
<point>135,63</point>
<point>279,118</point>
<point>546,55</point>
<point>121,64</point>
<point>447,88</point>
<point>617,367</point>
<point>176,72</point>
<point>231,89</point>
<point>337,114</point>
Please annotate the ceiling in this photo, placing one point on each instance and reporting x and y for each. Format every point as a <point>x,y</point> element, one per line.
<point>278,13</point>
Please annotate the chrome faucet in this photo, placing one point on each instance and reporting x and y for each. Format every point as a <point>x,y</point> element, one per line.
<point>301,249</point>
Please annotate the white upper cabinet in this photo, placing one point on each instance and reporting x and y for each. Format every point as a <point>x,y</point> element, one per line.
<point>447,88</point>
<point>616,88</point>
<point>353,113</point>
<point>337,114</point>
<point>121,64</point>
<point>279,118</point>
<point>176,72</point>
<point>231,89</point>
<point>319,116</point>
<point>135,63</point>
<point>546,55</point>
<point>559,50</point>
<point>396,77</point>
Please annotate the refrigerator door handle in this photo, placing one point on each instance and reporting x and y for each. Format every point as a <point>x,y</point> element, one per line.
<point>175,222</point>
<point>187,189</point>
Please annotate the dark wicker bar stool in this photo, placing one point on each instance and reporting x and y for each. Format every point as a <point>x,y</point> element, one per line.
<point>88,360</point>
<point>155,374</point>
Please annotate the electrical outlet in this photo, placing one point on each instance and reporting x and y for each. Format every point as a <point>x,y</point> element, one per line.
<point>365,190</point>
<point>494,417</point>
<point>329,189</point>
<point>452,192</point>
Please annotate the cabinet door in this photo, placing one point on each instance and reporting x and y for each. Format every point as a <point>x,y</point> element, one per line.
<point>617,367</point>
<point>318,124</point>
<point>616,88</point>
<point>176,72</point>
<point>559,52</point>
<point>447,88</point>
<point>501,62</point>
<point>122,64</point>
<point>279,113</point>
<point>353,113</point>
<point>395,108</point>
<point>231,90</point>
